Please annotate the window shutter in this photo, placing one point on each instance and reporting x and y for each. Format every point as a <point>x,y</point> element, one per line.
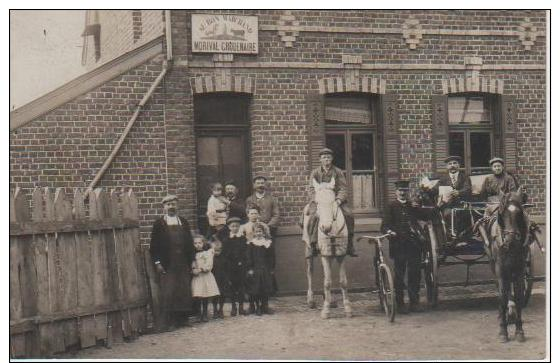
<point>315,114</point>
<point>508,124</point>
<point>391,143</point>
<point>440,132</point>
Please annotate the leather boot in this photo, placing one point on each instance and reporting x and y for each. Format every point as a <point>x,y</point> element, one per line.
<point>233,309</point>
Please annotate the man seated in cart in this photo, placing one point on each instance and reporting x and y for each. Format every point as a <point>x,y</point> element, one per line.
<point>451,189</point>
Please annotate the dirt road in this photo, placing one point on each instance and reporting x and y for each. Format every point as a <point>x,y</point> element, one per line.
<point>464,326</point>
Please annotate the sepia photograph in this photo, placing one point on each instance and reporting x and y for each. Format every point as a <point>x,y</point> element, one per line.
<point>279,184</point>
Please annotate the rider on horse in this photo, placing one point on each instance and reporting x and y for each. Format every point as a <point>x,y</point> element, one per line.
<point>324,174</point>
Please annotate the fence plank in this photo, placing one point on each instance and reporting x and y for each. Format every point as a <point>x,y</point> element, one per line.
<point>69,260</point>
<point>56,280</point>
<point>16,308</point>
<point>99,254</point>
<point>38,211</point>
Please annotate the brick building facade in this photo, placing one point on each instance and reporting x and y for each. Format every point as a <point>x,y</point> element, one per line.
<point>392,91</point>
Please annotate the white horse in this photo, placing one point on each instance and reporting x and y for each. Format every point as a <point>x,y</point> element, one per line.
<point>332,241</point>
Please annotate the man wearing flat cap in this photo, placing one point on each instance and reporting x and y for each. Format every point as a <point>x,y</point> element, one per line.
<point>401,221</point>
<point>324,174</point>
<point>499,181</point>
<point>172,252</point>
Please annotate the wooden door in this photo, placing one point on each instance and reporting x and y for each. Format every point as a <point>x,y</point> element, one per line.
<point>221,156</point>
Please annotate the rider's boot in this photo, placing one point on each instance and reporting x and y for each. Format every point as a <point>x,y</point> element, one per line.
<point>350,249</point>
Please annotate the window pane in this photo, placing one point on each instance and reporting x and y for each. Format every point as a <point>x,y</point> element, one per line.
<point>218,109</point>
<point>481,149</point>
<point>470,110</point>
<point>335,142</point>
<point>457,144</point>
<point>362,152</point>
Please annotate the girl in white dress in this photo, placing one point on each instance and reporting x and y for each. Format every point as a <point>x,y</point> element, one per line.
<point>203,283</point>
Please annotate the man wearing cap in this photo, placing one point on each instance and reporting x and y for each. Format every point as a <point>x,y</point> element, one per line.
<point>236,204</point>
<point>172,252</point>
<point>269,211</point>
<point>324,174</point>
<point>499,181</point>
<point>461,190</point>
<point>401,221</point>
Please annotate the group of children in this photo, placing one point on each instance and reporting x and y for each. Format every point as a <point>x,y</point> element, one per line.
<point>233,260</point>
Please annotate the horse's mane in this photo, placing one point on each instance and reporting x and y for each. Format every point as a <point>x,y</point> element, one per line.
<point>507,200</point>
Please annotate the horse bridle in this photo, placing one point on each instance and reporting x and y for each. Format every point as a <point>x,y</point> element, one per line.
<point>335,215</point>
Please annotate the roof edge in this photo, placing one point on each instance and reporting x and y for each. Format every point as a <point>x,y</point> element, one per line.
<point>84,83</point>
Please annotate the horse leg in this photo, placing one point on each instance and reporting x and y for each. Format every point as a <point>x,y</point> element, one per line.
<point>309,270</point>
<point>519,298</point>
<point>502,308</point>
<point>344,286</point>
<point>327,284</point>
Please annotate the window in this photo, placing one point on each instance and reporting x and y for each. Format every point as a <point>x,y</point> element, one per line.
<point>351,134</point>
<point>472,125</point>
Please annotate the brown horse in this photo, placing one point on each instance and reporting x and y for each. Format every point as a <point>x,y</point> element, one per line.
<point>509,246</point>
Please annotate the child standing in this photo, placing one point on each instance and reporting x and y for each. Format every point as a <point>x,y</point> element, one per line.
<point>220,272</point>
<point>235,247</point>
<point>203,284</point>
<point>253,216</point>
<point>216,210</point>
<point>260,283</point>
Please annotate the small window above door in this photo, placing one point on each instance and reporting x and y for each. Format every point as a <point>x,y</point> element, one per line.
<point>349,109</point>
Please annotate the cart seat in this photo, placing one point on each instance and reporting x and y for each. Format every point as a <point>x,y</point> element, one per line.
<point>473,246</point>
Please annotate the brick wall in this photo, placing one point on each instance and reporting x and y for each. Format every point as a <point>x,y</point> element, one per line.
<point>122,31</point>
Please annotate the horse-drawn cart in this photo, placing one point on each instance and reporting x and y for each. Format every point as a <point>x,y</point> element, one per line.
<point>446,244</point>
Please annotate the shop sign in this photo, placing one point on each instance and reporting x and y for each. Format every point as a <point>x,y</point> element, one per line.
<point>225,33</point>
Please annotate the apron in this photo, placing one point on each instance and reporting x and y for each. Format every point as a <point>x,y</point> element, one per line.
<point>176,283</point>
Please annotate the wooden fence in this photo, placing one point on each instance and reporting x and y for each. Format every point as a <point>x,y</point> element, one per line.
<point>77,274</point>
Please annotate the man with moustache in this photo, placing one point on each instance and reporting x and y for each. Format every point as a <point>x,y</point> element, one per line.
<point>172,252</point>
<point>236,205</point>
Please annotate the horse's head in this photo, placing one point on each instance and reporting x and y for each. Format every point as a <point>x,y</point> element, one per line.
<point>327,208</point>
<point>511,219</point>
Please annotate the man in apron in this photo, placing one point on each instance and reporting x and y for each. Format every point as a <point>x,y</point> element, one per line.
<point>172,252</point>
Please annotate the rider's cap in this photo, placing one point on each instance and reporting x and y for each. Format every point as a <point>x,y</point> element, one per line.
<point>402,184</point>
<point>169,198</point>
<point>259,177</point>
<point>326,151</point>
<point>496,160</point>
<point>451,158</point>
<point>233,219</point>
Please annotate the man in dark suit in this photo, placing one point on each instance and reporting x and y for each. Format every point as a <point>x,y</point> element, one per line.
<point>401,221</point>
<point>461,186</point>
<point>236,205</point>
<point>172,252</point>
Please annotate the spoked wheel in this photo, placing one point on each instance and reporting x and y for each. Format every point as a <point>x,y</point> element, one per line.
<point>527,278</point>
<point>386,290</point>
<point>431,268</point>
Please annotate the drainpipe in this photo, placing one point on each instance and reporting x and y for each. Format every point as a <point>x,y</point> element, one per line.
<point>166,66</point>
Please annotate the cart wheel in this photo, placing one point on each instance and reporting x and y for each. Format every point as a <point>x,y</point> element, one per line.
<point>527,278</point>
<point>431,268</point>
<point>387,295</point>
